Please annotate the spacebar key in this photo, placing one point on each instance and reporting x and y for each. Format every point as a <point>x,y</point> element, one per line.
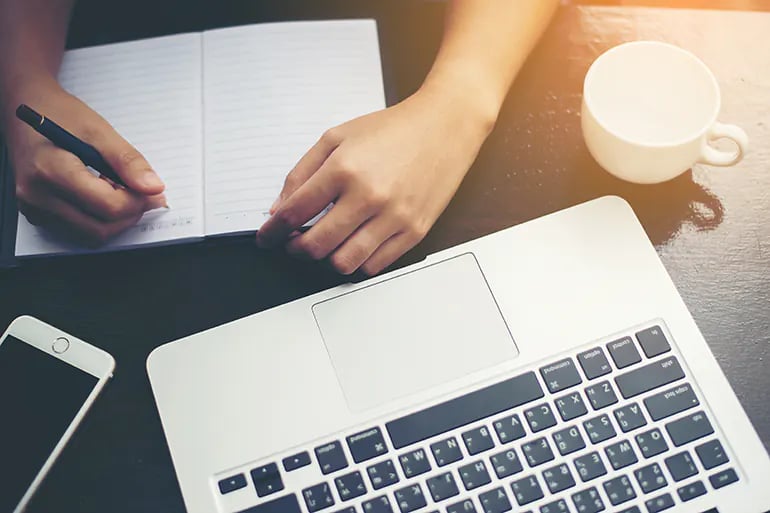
<point>287,504</point>
<point>465,409</point>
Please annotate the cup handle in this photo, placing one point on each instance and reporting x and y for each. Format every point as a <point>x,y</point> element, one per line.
<point>715,157</point>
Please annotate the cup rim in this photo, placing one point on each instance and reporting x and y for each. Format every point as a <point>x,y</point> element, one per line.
<point>712,80</point>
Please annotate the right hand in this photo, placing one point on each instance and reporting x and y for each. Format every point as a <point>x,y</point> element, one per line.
<point>54,188</point>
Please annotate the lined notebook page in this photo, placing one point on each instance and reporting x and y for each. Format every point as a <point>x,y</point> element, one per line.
<point>270,91</point>
<point>151,92</point>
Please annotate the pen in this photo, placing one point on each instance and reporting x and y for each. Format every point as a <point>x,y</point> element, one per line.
<point>66,141</point>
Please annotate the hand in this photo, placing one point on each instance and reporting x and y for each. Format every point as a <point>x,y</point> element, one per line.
<point>390,174</point>
<point>55,189</point>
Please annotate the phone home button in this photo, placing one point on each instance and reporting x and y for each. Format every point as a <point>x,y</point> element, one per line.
<point>60,345</point>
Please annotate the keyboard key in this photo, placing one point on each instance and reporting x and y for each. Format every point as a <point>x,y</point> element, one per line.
<point>630,417</point>
<point>465,409</point>
<point>619,490</point>
<point>571,406</point>
<point>689,428</point>
<point>623,352</point>
<point>410,498</point>
<point>649,377</point>
<point>526,490</point>
<point>537,452</point>
<point>465,506</point>
<point>560,375</point>
<point>651,443</point>
<point>653,341</point>
<point>509,429</point>
<point>442,487</point>
<point>331,457</point>
<point>601,395</point>
<point>659,503</point>
<point>671,401</point>
<point>568,440</point>
<point>559,506</point>
<point>286,504</point>
<point>367,445</point>
<point>378,505</point>
<point>414,463</point>
<point>723,478</point>
<point>540,417</point>
<point>478,440</point>
<point>588,501</point>
<point>267,479</point>
<point>318,497</point>
<point>590,466</point>
<point>711,454</point>
<point>495,501</point>
<point>296,461</point>
<point>621,454</point>
<point>558,478</point>
<point>594,363</point>
<point>681,466</point>
<point>232,483</point>
<point>474,475</point>
<point>632,509</point>
<point>506,463</point>
<point>349,509</point>
<point>446,451</point>
<point>599,429</point>
<point>650,478</point>
<point>350,486</point>
<point>690,491</point>
<point>382,474</point>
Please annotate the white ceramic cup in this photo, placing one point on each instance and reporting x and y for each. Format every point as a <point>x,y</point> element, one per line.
<point>650,111</point>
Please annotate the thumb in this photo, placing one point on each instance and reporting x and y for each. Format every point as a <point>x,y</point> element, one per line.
<point>126,161</point>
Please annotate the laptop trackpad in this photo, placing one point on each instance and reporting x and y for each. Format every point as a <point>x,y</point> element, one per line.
<point>412,332</point>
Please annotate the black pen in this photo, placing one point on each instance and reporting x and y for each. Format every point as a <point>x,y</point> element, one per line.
<point>66,141</point>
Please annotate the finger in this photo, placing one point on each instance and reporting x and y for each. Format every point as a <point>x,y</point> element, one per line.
<point>307,165</point>
<point>389,251</point>
<point>299,208</point>
<point>69,221</point>
<point>70,178</point>
<point>124,159</point>
<point>332,229</point>
<point>360,246</point>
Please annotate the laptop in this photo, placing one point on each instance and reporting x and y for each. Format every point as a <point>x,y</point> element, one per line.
<point>549,367</point>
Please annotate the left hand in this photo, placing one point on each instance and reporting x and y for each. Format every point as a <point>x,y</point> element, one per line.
<point>389,174</point>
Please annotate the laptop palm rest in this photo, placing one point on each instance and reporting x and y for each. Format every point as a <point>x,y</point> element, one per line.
<point>413,332</point>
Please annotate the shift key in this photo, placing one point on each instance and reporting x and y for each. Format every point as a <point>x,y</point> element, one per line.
<point>649,377</point>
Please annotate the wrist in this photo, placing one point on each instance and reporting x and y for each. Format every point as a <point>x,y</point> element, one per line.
<point>477,106</point>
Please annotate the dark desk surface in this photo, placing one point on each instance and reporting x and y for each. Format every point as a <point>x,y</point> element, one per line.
<point>710,226</point>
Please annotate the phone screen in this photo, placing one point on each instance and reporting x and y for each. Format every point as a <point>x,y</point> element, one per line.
<point>39,397</point>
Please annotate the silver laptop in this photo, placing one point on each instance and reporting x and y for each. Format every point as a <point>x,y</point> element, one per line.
<point>550,367</point>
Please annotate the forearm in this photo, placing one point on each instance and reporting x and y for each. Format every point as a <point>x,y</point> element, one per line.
<point>32,39</point>
<point>485,44</point>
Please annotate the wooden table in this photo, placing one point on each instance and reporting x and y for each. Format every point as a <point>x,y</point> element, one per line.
<point>711,227</point>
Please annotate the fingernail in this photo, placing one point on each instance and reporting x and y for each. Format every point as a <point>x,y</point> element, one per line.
<point>150,179</point>
<point>156,202</point>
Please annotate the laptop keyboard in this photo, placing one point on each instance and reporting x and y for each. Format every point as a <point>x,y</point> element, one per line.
<point>616,427</point>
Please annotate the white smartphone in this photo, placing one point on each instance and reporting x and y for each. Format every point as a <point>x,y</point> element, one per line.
<point>48,380</point>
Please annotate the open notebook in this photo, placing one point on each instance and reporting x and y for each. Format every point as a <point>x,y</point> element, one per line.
<point>222,116</point>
